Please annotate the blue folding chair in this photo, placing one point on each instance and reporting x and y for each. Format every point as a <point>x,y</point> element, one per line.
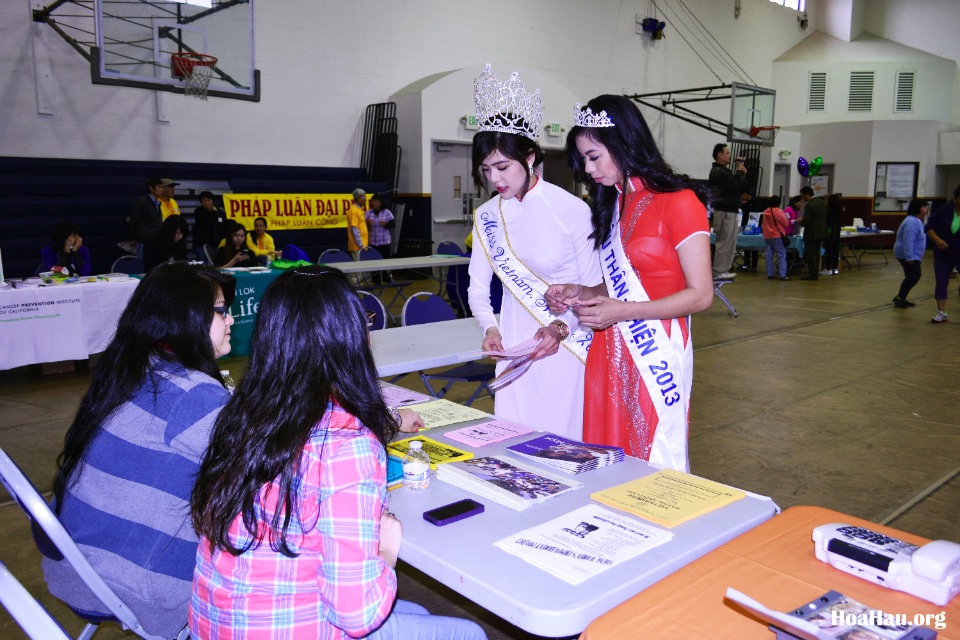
<point>376,313</point>
<point>423,308</point>
<point>127,264</point>
<point>369,253</point>
<point>332,256</point>
<point>53,541</point>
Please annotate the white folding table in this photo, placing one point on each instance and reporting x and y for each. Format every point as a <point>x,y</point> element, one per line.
<point>425,346</point>
<point>462,555</point>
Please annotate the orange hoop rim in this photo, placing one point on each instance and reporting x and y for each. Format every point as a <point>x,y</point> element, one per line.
<point>755,130</point>
<point>182,64</point>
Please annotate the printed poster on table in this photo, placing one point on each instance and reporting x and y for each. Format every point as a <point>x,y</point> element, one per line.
<point>440,413</point>
<point>583,543</point>
<point>41,325</point>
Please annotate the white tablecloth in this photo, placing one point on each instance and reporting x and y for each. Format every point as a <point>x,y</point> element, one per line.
<point>66,322</point>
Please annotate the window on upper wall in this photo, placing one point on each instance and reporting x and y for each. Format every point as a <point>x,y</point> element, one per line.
<point>817,93</point>
<point>861,91</point>
<point>903,99</point>
<point>799,5</point>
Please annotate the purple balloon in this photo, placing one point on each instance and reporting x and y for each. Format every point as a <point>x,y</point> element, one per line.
<point>803,166</point>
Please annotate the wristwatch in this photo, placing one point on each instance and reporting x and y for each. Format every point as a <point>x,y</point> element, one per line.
<point>562,328</point>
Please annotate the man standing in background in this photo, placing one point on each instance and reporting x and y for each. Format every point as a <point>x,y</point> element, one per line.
<point>146,216</point>
<point>728,185</point>
<point>814,221</point>
<point>168,206</point>
<point>357,224</point>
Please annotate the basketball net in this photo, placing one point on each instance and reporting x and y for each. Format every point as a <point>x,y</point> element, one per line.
<point>196,70</point>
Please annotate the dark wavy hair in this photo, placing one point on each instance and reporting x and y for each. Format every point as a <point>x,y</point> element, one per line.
<point>310,346</point>
<point>168,317</point>
<point>913,209</point>
<point>634,151</point>
<point>511,145</point>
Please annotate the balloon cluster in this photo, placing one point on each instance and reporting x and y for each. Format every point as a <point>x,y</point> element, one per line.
<point>809,168</point>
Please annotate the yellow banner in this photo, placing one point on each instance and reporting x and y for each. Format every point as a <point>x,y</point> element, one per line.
<point>287,211</point>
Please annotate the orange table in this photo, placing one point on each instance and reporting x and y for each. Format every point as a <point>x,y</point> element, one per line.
<point>772,563</point>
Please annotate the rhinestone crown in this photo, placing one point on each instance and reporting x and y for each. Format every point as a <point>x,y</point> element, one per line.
<point>506,106</point>
<point>587,118</point>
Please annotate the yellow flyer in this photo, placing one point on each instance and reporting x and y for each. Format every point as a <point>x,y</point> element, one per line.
<point>668,497</point>
<point>440,413</point>
<point>439,453</point>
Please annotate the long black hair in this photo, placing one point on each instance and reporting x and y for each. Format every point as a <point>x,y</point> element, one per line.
<point>632,148</point>
<point>229,251</point>
<point>310,346</point>
<point>168,317</point>
<point>511,145</point>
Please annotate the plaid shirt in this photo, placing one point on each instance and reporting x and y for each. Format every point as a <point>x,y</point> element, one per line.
<point>337,584</point>
<point>379,235</point>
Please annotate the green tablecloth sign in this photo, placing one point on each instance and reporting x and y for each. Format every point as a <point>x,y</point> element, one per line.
<point>250,288</point>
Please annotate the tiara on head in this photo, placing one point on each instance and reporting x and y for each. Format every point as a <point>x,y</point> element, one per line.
<point>506,106</point>
<point>587,118</point>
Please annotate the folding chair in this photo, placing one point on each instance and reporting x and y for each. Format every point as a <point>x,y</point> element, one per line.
<point>331,256</point>
<point>372,305</point>
<point>208,254</point>
<point>54,542</point>
<point>426,307</point>
<point>369,253</point>
<point>35,621</point>
<point>127,264</point>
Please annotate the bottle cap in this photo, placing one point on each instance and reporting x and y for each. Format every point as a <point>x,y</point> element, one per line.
<point>416,444</point>
<point>224,372</point>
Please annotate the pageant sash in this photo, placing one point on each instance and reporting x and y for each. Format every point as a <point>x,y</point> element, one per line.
<point>524,285</point>
<point>660,359</point>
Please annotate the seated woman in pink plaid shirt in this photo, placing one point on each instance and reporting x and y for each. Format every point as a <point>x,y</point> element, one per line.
<point>290,500</point>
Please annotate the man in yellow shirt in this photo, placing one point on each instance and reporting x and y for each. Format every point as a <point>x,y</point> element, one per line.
<point>357,224</point>
<point>168,206</point>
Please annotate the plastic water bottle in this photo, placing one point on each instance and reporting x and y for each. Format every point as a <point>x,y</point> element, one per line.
<point>228,380</point>
<point>416,468</point>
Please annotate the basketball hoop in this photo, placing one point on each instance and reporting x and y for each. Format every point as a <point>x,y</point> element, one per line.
<point>766,134</point>
<point>196,70</point>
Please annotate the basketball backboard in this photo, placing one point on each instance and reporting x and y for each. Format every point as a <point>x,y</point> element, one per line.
<point>750,108</point>
<point>136,39</point>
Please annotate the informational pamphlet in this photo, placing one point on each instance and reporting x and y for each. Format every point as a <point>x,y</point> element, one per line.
<point>506,481</point>
<point>834,616</point>
<point>399,397</point>
<point>439,452</point>
<point>668,497</point>
<point>488,432</point>
<point>569,456</point>
<point>440,413</point>
<point>583,543</point>
<point>521,361</point>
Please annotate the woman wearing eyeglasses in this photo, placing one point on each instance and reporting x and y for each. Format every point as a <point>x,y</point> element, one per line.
<point>130,457</point>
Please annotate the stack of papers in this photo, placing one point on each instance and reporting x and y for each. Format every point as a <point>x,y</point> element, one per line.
<point>438,452</point>
<point>568,456</point>
<point>668,497</point>
<point>506,481</point>
<point>583,543</point>
<point>521,361</point>
<point>440,413</point>
<point>488,432</point>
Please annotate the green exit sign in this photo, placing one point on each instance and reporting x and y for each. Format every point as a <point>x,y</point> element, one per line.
<point>470,122</point>
<point>554,129</point>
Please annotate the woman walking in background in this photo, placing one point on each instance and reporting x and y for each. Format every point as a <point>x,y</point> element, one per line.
<point>774,224</point>
<point>909,248</point>
<point>650,225</point>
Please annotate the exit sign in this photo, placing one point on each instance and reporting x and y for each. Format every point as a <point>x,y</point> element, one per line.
<point>554,129</point>
<point>470,122</point>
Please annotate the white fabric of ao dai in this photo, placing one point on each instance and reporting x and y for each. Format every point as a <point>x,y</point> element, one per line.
<point>549,232</point>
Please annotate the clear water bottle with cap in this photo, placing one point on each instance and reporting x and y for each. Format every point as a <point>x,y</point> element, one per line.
<point>228,380</point>
<point>416,468</point>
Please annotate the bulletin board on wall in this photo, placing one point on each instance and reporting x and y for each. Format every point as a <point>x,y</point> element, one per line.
<point>895,186</point>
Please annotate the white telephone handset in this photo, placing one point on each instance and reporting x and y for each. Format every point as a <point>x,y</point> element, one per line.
<point>931,572</point>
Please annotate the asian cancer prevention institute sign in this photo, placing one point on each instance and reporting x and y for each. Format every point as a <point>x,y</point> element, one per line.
<point>289,211</point>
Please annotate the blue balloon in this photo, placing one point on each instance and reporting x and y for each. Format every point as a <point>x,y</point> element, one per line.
<point>803,166</point>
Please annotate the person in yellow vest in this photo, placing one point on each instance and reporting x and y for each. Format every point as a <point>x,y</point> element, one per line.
<point>168,206</point>
<point>357,224</point>
<point>261,242</point>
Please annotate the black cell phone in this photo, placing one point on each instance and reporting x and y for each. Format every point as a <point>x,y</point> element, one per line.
<point>452,512</point>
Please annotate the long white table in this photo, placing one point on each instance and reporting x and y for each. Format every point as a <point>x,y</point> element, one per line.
<point>63,322</point>
<point>852,239</point>
<point>391,264</point>
<point>425,346</point>
<point>462,555</point>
